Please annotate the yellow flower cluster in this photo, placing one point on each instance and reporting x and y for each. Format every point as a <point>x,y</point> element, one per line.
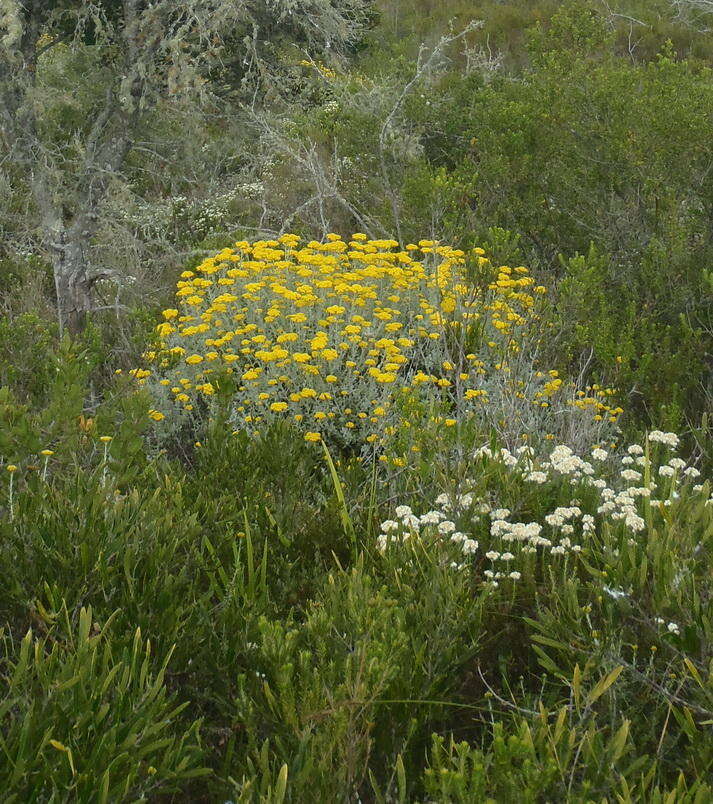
<point>322,69</point>
<point>324,332</point>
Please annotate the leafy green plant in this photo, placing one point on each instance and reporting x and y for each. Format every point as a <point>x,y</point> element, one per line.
<point>83,721</point>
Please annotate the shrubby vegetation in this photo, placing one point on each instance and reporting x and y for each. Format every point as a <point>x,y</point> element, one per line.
<point>381,470</point>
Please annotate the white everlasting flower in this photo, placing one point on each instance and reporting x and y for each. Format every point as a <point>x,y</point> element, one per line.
<point>403,511</point>
<point>635,449</point>
<point>465,500</point>
<point>567,529</point>
<point>634,522</point>
<point>630,475</point>
<point>507,556</point>
<point>515,576</point>
<point>489,574</point>
<point>442,499</point>
<point>669,439</point>
<point>500,513</point>
<point>507,457</point>
<point>431,518</point>
<point>388,525</point>
<point>536,477</point>
<point>492,555</point>
<point>673,628</point>
<point>458,537</point>
<point>666,471</point>
<point>692,472</point>
<point>677,463</point>
<point>382,541</point>
<point>558,550</point>
<point>639,491</point>
<point>498,527</point>
<point>446,527</point>
<point>599,454</point>
<point>470,546</point>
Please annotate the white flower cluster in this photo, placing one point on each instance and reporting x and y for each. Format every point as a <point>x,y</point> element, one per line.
<point>458,522</point>
<point>433,524</point>
<point>669,439</point>
<point>672,628</point>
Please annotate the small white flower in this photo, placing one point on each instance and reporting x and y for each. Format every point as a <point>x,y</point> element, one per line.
<point>515,576</point>
<point>630,475</point>
<point>673,628</point>
<point>634,522</point>
<point>599,454</point>
<point>692,472</point>
<point>492,555</point>
<point>388,525</point>
<point>403,511</point>
<point>669,439</point>
<point>507,556</point>
<point>446,527</point>
<point>536,477</point>
<point>666,471</point>
<point>470,546</point>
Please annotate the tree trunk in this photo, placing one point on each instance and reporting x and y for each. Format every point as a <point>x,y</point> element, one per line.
<point>73,284</point>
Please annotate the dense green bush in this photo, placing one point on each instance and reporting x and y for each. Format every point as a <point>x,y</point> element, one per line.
<point>85,719</point>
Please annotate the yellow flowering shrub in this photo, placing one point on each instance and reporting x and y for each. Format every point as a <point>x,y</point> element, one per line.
<point>325,333</point>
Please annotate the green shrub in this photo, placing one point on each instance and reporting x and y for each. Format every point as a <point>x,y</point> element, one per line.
<point>84,721</point>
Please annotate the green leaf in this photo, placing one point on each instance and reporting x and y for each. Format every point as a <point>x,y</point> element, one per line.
<point>281,786</point>
<point>603,685</point>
